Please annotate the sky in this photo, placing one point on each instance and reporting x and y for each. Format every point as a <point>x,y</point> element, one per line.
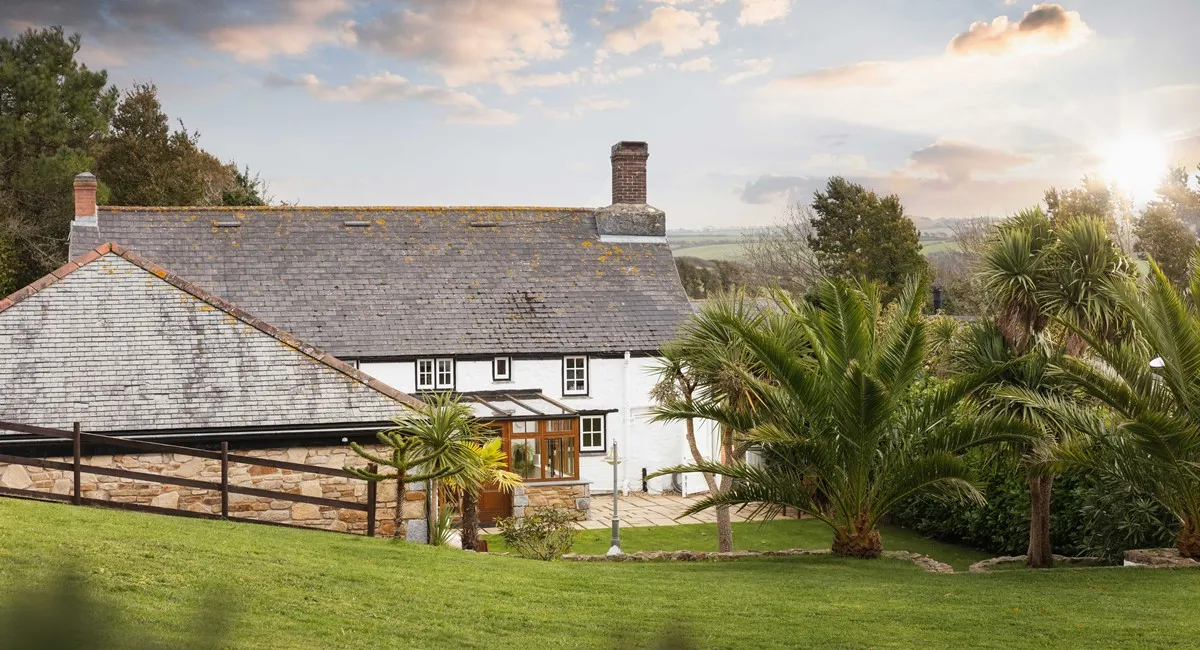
<point>963,107</point>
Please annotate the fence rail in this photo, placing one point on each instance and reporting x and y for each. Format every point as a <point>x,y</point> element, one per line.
<point>76,467</point>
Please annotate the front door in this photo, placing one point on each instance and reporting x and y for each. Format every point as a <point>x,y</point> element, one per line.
<point>494,504</point>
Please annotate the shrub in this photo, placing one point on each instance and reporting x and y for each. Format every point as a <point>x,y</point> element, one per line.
<point>1089,515</point>
<point>546,534</point>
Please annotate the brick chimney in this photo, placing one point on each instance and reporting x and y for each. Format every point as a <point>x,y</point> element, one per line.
<point>629,218</point>
<point>629,172</point>
<point>85,198</point>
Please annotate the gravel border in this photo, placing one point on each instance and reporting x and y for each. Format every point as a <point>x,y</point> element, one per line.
<point>925,562</point>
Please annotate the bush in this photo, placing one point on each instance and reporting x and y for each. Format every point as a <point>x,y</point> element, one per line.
<point>546,534</point>
<point>1089,516</point>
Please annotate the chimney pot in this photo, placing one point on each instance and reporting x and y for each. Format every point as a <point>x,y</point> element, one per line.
<point>85,196</point>
<point>629,172</point>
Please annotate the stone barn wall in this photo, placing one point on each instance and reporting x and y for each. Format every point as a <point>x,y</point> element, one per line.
<point>240,506</point>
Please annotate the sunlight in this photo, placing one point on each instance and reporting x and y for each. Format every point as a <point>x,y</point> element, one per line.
<point>1136,165</point>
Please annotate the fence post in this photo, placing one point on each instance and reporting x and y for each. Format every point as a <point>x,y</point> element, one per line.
<point>371,487</point>
<point>225,479</point>
<point>78,493</point>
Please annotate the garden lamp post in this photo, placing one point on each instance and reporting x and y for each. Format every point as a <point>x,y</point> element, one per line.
<point>615,549</point>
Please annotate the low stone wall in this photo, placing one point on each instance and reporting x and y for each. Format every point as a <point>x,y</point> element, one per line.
<point>124,490</point>
<point>986,566</point>
<point>924,561</point>
<point>531,497</point>
<point>1159,558</point>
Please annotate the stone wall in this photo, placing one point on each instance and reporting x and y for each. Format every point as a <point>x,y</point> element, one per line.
<point>570,496</point>
<point>240,506</point>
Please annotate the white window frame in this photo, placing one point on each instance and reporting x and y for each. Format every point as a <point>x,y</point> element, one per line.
<point>507,374</point>
<point>569,387</point>
<point>448,365</point>
<point>430,373</point>
<point>603,431</point>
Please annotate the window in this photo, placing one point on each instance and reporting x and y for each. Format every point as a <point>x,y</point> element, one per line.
<point>435,374</point>
<point>424,374</point>
<point>591,433</point>
<point>502,369</point>
<point>445,373</point>
<point>541,450</point>
<point>575,379</point>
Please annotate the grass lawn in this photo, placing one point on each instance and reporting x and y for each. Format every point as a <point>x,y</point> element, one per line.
<point>306,589</point>
<point>755,536</point>
<point>730,252</point>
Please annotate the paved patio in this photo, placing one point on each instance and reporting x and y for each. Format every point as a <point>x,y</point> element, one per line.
<point>641,509</point>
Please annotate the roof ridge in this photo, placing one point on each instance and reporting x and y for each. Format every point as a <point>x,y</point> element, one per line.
<point>216,301</point>
<point>314,208</point>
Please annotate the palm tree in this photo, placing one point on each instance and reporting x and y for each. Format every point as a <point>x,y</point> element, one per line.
<point>427,444</point>
<point>489,468</point>
<point>705,370</point>
<point>1037,278</point>
<point>835,409</point>
<point>1151,384</point>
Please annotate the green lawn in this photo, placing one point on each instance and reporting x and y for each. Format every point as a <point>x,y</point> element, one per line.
<point>754,536</point>
<point>301,589</point>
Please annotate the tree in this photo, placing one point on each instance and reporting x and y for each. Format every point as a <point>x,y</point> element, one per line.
<point>835,411</point>
<point>53,110</point>
<point>1036,276</point>
<point>702,375</point>
<point>1093,198</point>
<point>1179,193</point>
<point>780,256</point>
<point>954,270</point>
<point>1152,441</point>
<point>857,234</point>
<point>427,444</point>
<point>489,467</point>
<point>1162,235</point>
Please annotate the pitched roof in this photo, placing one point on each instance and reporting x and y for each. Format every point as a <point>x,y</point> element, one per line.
<point>118,343</point>
<point>411,281</point>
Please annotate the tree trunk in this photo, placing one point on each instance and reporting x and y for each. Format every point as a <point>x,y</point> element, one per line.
<point>400,533</point>
<point>1188,539</point>
<point>434,511</point>
<point>470,520</point>
<point>856,541</point>
<point>1039,555</point>
<point>724,524</point>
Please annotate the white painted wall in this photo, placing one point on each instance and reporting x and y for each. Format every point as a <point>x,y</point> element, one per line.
<point>613,383</point>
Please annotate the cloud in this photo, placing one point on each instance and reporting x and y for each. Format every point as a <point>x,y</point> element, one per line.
<point>750,68</point>
<point>864,73</point>
<point>470,41</point>
<point>1045,27</point>
<point>119,27</point>
<point>760,12</point>
<point>581,106</point>
<point>702,64</point>
<point>958,162</point>
<point>675,31</point>
<point>463,108</point>
<point>600,76</point>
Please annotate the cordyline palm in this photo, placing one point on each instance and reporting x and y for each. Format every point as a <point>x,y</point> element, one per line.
<point>837,414</point>
<point>427,444</point>
<point>489,468</point>
<point>1043,283</point>
<point>1152,439</point>
<point>706,368</point>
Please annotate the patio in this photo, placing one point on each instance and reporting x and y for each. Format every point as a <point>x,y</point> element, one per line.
<point>642,509</point>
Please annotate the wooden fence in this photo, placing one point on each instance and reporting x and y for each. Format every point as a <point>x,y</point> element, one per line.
<point>76,467</point>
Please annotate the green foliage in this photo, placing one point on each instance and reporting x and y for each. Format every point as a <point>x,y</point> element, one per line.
<point>1091,515</point>
<point>1161,234</point>
<point>832,406</point>
<point>706,278</point>
<point>859,235</point>
<point>546,534</point>
<point>441,528</point>
<point>53,114</point>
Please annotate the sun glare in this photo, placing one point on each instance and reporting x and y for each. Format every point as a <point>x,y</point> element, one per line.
<point>1137,166</point>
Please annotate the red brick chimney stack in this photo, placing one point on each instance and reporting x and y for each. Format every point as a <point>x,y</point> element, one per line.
<point>629,172</point>
<point>85,196</point>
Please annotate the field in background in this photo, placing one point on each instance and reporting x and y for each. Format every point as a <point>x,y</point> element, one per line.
<point>726,244</point>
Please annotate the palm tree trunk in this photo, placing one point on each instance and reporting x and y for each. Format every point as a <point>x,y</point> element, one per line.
<point>434,510</point>
<point>400,533</point>
<point>857,541</point>
<point>1039,555</point>
<point>1188,539</point>
<point>724,523</point>
<point>470,520</point>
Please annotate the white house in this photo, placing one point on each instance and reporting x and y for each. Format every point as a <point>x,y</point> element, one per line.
<point>547,319</point>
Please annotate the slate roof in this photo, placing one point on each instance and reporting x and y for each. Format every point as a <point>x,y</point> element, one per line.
<point>405,282</point>
<point>118,344</point>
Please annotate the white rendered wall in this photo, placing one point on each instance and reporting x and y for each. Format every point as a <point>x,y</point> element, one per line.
<point>613,383</point>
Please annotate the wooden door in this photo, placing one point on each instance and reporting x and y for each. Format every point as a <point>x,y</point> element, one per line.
<point>494,504</point>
